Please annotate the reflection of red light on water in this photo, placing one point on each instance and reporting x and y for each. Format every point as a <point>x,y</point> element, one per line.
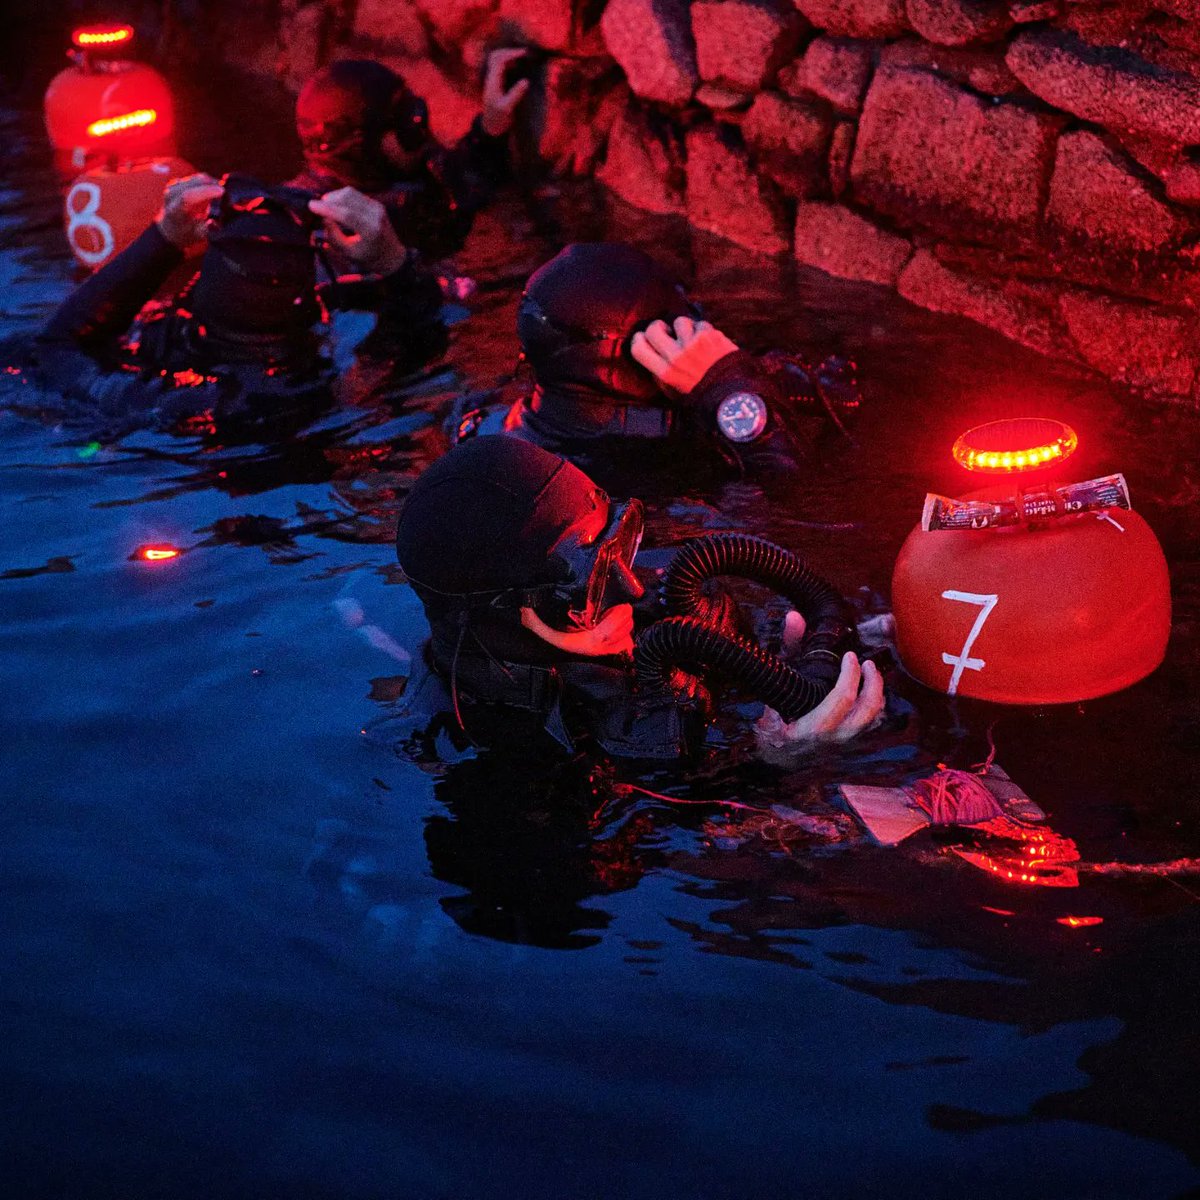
<point>156,553</point>
<point>138,119</point>
<point>1000,912</point>
<point>1080,922</point>
<point>91,36</point>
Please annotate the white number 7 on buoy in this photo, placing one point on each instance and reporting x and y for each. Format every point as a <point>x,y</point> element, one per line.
<point>963,661</point>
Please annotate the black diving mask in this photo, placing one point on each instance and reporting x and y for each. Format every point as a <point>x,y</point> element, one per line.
<point>347,137</point>
<point>600,573</point>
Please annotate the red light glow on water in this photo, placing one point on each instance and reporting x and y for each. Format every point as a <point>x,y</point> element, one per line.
<point>1079,922</point>
<point>1020,444</point>
<point>138,119</point>
<point>156,553</point>
<point>91,36</point>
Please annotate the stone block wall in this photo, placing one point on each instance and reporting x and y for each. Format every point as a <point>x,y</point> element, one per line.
<point>1033,165</point>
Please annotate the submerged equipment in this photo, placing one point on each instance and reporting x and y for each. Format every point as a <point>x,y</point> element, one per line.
<point>1034,591</point>
<point>691,643</point>
<point>105,105</point>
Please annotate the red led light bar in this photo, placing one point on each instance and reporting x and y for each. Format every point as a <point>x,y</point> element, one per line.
<point>1019,444</point>
<point>89,37</point>
<point>156,553</point>
<point>137,119</point>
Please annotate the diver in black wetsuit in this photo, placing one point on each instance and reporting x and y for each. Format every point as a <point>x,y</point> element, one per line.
<point>360,126</point>
<point>238,341</point>
<point>621,358</point>
<point>526,571</point>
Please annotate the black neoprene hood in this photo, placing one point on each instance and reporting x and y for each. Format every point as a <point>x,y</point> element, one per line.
<point>580,310</point>
<point>485,516</point>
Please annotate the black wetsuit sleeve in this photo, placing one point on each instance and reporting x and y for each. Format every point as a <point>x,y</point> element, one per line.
<point>410,294</point>
<point>478,164</point>
<point>736,372</point>
<point>436,216</point>
<point>103,307</point>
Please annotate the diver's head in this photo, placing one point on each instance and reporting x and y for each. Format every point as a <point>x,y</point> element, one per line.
<point>258,276</point>
<point>581,309</point>
<point>358,121</point>
<point>499,525</point>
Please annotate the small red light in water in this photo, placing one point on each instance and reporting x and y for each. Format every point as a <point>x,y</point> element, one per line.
<point>137,119</point>
<point>156,553</point>
<point>1080,922</point>
<point>1019,444</point>
<point>1000,912</point>
<point>91,36</point>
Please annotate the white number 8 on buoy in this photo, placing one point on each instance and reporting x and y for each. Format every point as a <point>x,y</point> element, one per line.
<point>90,235</point>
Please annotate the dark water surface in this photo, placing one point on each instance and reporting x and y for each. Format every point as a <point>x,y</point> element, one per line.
<point>249,951</point>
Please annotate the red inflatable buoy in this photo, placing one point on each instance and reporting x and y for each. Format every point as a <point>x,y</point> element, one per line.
<point>1043,594</point>
<point>106,105</point>
<point>106,209</point>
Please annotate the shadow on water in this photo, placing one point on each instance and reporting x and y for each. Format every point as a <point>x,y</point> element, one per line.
<point>238,934</point>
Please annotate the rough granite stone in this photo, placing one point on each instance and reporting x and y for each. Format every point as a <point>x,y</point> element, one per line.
<point>790,140</point>
<point>545,23</point>
<point>980,67</point>
<point>572,112</point>
<point>726,197</point>
<point>303,33</point>
<point>1107,24</point>
<point>452,20</point>
<point>1025,12</point>
<point>1157,157</point>
<point>929,151</point>
<point>652,42</point>
<point>742,43</point>
<point>722,99</point>
<point>1109,85</point>
<point>835,69</point>
<point>394,25</point>
<point>959,22</point>
<point>1142,345</point>
<point>1026,314</point>
<point>451,110</point>
<point>1183,182</point>
<point>1186,10</point>
<point>843,244</point>
<point>856,18</point>
<point>841,154</point>
<point>1097,195</point>
<point>642,167</point>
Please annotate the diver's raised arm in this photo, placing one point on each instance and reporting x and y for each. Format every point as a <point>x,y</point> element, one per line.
<point>104,306</point>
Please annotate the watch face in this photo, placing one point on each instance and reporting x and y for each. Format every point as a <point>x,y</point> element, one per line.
<point>742,416</point>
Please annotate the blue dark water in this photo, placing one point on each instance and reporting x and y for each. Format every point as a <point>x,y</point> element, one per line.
<point>250,951</point>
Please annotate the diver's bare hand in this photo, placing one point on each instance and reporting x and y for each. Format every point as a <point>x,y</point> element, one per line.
<point>680,358</point>
<point>499,105</point>
<point>612,634</point>
<point>854,705</point>
<point>183,218</point>
<point>371,244</point>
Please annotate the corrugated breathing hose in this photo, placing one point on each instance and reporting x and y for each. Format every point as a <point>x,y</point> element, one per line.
<point>683,641</point>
